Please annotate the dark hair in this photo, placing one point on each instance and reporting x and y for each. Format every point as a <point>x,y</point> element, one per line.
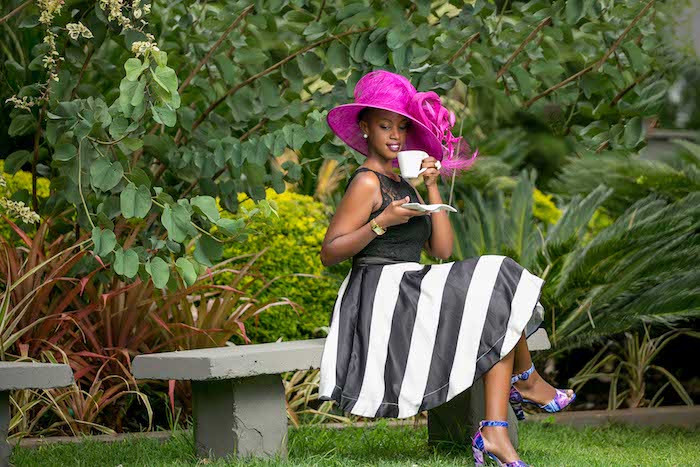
<point>363,113</point>
<point>366,111</point>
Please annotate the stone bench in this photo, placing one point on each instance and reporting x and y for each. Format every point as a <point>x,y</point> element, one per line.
<point>239,404</point>
<point>26,375</point>
<point>238,398</point>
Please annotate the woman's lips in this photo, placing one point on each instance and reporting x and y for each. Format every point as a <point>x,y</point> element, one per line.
<point>394,147</point>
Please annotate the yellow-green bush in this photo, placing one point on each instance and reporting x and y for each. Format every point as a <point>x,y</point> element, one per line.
<point>23,180</point>
<point>14,183</point>
<point>544,209</point>
<point>295,239</point>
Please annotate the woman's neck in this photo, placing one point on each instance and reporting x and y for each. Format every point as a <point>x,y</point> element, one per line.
<point>382,166</point>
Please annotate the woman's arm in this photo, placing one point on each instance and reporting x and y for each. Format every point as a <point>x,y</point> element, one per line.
<point>442,237</point>
<point>349,232</point>
<point>441,240</point>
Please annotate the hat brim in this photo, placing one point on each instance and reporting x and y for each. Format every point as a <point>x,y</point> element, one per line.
<point>343,121</point>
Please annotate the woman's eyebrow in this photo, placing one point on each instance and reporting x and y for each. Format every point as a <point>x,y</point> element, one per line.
<point>405,120</point>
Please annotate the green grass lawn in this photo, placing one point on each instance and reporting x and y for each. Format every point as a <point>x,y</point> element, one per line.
<point>542,444</point>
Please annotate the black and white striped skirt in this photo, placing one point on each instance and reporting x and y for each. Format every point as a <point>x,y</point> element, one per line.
<point>407,337</point>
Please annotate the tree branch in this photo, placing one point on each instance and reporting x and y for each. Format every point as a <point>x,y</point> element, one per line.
<point>557,86</point>
<point>268,70</point>
<point>37,139</point>
<point>520,48</point>
<point>82,72</point>
<point>15,11</point>
<point>469,42</point>
<point>598,63</point>
<point>218,174</point>
<point>206,58</point>
<point>622,93</point>
<point>624,33</point>
<point>320,10</point>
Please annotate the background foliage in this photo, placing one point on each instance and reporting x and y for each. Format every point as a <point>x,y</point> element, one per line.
<point>171,132</point>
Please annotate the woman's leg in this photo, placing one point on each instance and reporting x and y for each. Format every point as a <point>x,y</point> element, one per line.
<point>496,392</point>
<point>534,388</point>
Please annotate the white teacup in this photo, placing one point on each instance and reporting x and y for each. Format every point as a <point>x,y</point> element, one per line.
<point>410,163</point>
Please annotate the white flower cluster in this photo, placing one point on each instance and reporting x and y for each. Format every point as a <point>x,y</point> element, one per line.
<point>115,13</point>
<point>49,9</point>
<point>3,182</point>
<point>52,57</point>
<point>25,103</point>
<point>19,209</point>
<point>76,30</point>
<point>141,47</point>
<point>138,10</point>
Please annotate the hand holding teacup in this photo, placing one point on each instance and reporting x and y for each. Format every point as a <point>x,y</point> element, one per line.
<point>414,163</point>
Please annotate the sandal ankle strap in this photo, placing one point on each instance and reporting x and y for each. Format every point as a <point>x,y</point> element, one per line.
<point>522,376</point>
<point>493,423</point>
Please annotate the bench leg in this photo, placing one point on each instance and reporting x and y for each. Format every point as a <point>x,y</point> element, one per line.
<point>242,417</point>
<point>5,448</point>
<point>456,421</point>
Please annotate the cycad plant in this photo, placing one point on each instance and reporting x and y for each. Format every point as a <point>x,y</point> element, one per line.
<point>628,363</point>
<point>641,268</point>
<point>634,177</point>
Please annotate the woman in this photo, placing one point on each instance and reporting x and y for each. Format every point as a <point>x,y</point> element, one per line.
<point>406,337</point>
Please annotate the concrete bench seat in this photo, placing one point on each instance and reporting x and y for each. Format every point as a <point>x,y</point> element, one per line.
<point>239,403</point>
<point>238,398</point>
<point>26,375</point>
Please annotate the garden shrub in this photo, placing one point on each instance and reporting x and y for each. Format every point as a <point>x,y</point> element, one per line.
<point>543,208</point>
<point>295,239</point>
<point>16,183</point>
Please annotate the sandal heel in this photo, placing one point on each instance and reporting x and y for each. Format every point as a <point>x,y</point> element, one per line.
<point>478,457</point>
<point>518,409</point>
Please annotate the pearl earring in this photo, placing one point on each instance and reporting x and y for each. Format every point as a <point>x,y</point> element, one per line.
<point>364,135</point>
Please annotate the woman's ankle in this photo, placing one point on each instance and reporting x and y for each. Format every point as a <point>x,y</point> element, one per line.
<point>497,442</point>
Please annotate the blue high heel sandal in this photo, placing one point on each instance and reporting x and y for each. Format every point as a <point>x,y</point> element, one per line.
<point>479,449</point>
<point>561,399</point>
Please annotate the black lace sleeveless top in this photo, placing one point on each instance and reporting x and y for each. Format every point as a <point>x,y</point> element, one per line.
<point>401,242</point>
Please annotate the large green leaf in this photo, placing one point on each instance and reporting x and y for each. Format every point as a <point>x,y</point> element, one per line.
<point>206,205</point>
<point>574,11</point>
<point>166,78</point>
<point>186,270</point>
<point>16,160</point>
<point>126,263</point>
<point>134,67</point>
<point>135,202</point>
<point>105,174</point>
<point>208,250</point>
<point>176,220</point>
<point>21,125</point>
<point>127,90</point>
<point>65,152</point>
<point>164,114</point>
<point>634,132</point>
<point>104,241</point>
<point>230,226</point>
<point>159,271</point>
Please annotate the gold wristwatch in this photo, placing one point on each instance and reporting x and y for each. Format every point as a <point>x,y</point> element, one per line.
<point>378,229</point>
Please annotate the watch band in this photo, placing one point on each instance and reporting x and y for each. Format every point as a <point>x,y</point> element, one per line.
<point>379,230</point>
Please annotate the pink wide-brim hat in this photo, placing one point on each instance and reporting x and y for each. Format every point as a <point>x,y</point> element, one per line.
<point>389,91</point>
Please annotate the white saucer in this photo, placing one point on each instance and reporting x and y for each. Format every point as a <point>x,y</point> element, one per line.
<point>428,207</point>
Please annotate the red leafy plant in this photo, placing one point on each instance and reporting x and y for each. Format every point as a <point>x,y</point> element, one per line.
<point>61,305</point>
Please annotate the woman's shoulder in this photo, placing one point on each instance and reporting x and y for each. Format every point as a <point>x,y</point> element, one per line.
<point>363,178</point>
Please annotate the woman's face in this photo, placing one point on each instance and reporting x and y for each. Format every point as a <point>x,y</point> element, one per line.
<point>386,132</point>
